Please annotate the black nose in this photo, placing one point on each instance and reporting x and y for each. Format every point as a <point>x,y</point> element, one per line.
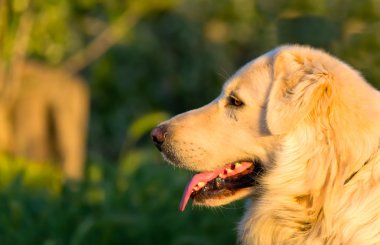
<point>158,135</point>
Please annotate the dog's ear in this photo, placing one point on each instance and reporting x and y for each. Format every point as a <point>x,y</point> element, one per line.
<point>301,85</point>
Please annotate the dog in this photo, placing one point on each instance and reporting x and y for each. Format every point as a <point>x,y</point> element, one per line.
<point>297,131</point>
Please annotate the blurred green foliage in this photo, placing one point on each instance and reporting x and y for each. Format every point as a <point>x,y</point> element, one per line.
<point>175,57</point>
<point>137,205</point>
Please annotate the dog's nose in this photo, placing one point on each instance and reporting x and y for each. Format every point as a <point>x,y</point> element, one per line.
<point>158,135</point>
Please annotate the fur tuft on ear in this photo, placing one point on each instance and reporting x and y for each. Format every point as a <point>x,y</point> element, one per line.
<point>301,85</point>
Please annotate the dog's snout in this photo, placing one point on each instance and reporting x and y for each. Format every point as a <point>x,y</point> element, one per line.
<point>158,135</point>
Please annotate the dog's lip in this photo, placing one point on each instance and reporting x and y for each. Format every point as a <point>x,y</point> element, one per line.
<point>200,180</point>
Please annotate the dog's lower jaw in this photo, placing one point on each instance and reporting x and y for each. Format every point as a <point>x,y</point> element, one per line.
<point>214,202</point>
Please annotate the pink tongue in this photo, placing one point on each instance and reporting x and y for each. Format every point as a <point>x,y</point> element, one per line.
<point>206,177</point>
<point>202,177</point>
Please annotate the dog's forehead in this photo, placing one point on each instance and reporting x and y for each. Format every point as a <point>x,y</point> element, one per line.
<point>253,78</point>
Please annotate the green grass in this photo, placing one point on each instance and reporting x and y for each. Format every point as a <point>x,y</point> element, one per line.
<point>133,203</point>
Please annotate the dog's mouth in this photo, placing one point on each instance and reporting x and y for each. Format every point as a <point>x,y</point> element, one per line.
<point>222,182</point>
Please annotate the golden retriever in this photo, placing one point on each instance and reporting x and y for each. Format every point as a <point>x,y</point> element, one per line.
<point>298,132</point>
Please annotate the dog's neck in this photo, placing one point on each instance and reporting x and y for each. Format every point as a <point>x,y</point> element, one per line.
<point>302,195</point>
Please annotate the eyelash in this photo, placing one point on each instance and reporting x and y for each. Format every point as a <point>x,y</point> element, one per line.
<point>233,101</point>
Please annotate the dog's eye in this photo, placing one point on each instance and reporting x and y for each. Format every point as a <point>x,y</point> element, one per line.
<point>234,101</point>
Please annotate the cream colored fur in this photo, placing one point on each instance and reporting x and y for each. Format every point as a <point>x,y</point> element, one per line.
<point>314,123</point>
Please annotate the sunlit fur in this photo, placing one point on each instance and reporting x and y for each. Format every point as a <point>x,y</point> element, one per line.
<point>314,123</point>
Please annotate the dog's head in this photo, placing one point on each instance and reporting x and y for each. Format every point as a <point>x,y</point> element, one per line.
<point>292,94</point>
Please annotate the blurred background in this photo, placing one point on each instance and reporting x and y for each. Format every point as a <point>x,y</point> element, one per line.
<point>82,82</point>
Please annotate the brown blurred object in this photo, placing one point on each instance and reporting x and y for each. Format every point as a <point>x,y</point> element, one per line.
<point>44,109</point>
<point>46,120</point>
